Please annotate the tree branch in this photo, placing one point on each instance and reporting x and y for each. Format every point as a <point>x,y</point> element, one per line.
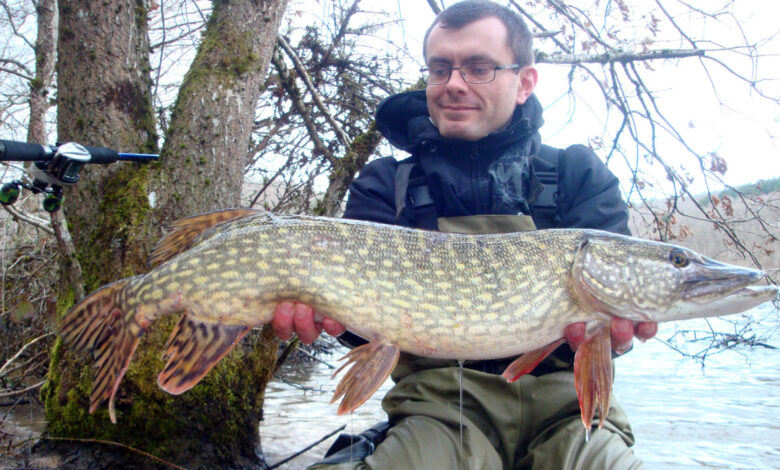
<point>288,83</point>
<point>310,86</point>
<point>621,57</point>
<point>32,220</point>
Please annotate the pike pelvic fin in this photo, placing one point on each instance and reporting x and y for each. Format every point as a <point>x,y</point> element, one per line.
<point>528,361</point>
<point>194,347</point>
<point>182,234</point>
<point>371,363</point>
<point>593,376</point>
<point>99,325</point>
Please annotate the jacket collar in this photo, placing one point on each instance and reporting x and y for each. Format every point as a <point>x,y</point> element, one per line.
<point>404,121</point>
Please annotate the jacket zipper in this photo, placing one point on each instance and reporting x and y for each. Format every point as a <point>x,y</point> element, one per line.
<point>474,179</point>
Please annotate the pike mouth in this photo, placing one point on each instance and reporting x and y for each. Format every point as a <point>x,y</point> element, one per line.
<point>763,293</point>
<point>712,280</point>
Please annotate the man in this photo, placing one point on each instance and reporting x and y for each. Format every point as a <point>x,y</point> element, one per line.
<point>476,158</point>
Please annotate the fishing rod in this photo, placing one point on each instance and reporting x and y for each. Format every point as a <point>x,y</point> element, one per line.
<point>55,166</point>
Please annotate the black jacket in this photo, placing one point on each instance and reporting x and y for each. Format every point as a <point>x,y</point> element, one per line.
<point>465,178</point>
<point>462,176</point>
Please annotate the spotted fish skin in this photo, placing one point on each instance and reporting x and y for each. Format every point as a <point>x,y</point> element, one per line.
<point>433,294</point>
<point>428,293</point>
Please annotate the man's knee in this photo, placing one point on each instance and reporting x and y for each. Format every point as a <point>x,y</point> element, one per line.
<point>424,442</point>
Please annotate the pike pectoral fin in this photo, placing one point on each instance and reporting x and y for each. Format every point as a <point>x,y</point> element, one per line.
<point>528,361</point>
<point>371,365</point>
<point>194,347</point>
<point>593,375</point>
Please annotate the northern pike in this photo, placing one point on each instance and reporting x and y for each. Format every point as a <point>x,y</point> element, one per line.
<point>442,295</point>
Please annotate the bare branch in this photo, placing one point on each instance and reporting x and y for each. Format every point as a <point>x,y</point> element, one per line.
<point>621,57</point>
<point>30,219</point>
<point>310,86</point>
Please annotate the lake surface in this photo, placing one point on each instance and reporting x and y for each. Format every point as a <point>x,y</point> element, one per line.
<point>724,415</point>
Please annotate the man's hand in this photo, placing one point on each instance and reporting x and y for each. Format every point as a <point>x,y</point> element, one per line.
<point>295,317</point>
<point>622,330</point>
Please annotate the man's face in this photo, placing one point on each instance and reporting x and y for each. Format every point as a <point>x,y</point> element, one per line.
<point>468,111</point>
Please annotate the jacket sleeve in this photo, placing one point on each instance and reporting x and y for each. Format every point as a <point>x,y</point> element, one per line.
<point>372,194</point>
<point>589,194</point>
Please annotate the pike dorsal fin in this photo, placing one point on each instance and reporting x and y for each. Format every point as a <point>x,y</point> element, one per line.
<point>182,234</point>
<point>371,363</point>
<point>194,347</point>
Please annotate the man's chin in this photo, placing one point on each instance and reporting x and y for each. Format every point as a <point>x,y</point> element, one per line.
<point>461,130</point>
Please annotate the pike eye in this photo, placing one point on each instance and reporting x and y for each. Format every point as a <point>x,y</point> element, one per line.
<point>678,258</point>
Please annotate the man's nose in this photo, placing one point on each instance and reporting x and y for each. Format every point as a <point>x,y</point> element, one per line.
<point>456,83</point>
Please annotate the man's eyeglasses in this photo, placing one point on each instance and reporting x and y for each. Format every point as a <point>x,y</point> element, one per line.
<point>472,73</point>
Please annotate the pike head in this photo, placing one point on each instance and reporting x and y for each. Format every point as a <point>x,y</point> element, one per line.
<point>641,280</point>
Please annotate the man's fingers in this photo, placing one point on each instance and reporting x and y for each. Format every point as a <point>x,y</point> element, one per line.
<point>305,326</point>
<point>575,335</point>
<point>332,327</point>
<point>622,332</point>
<point>283,321</point>
<point>646,330</point>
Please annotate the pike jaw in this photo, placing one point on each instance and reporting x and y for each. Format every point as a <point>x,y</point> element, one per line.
<point>642,280</point>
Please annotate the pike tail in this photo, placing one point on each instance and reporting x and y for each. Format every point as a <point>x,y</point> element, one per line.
<point>98,324</point>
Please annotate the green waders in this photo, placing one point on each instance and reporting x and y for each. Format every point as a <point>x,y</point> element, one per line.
<point>533,423</point>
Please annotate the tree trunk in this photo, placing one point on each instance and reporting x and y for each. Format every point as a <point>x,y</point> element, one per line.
<point>207,145</point>
<point>104,100</point>
<point>45,54</point>
<point>345,169</point>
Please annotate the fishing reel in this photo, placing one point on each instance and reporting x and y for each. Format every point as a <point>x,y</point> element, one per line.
<point>55,167</point>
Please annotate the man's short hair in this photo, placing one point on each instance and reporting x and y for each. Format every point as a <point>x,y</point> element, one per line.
<point>456,16</point>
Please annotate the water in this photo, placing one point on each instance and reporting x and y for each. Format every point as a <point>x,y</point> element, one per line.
<point>724,416</point>
<point>684,417</point>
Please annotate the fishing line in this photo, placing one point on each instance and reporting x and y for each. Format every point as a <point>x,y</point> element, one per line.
<point>460,409</point>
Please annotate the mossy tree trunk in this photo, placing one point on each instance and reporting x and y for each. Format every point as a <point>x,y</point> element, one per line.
<point>104,100</point>
<point>207,146</point>
<point>345,169</point>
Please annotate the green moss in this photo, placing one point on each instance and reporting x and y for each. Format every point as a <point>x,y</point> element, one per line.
<point>36,84</point>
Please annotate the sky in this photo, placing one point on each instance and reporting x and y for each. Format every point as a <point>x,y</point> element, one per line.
<point>740,129</point>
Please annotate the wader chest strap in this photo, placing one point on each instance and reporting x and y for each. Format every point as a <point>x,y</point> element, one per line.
<point>410,185</point>
<point>544,188</point>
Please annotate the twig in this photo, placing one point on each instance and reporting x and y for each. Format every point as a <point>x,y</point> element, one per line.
<point>315,96</point>
<point>315,357</point>
<point>34,221</point>
<point>284,461</point>
<point>117,444</point>
<point>299,386</point>
<point>22,391</point>
<point>285,353</point>
<point>19,353</point>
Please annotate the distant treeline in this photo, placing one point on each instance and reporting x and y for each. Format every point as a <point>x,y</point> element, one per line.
<point>767,186</point>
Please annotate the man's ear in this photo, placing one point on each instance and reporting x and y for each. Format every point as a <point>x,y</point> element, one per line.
<point>527,83</point>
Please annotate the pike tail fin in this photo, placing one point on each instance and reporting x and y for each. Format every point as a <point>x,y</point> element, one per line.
<point>194,347</point>
<point>97,324</point>
<point>182,234</point>
<point>593,376</point>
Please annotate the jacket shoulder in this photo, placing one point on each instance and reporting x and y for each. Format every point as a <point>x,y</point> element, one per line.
<point>589,193</point>
<point>372,193</point>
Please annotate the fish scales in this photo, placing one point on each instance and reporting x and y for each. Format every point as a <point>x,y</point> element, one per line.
<point>427,293</point>
<point>432,294</point>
